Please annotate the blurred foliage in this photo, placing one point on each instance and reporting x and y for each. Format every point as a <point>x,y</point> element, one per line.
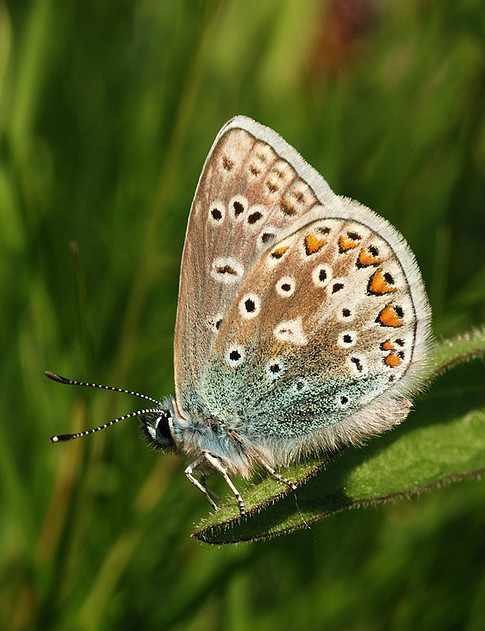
<point>107,110</point>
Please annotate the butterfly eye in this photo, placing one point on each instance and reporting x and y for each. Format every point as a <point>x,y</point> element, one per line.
<point>163,427</point>
<point>285,287</point>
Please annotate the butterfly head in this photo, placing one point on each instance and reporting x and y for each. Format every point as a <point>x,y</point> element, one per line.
<point>156,420</point>
<point>157,429</point>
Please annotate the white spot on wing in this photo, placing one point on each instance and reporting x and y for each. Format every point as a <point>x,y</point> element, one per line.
<point>237,145</point>
<point>357,364</point>
<point>217,213</point>
<point>291,331</point>
<point>249,306</point>
<point>214,323</point>
<point>238,207</point>
<point>255,216</point>
<point>226,270</point>
<point>234,355</point>
<point>359,229</point>
<point>267,237</point>
<point>281,174</point>
<point>321,275</point>
<point>342,400</point>
<point>347,339</point>
<point>285,287</point>
<point>345,314</point>
<point>275,368</point>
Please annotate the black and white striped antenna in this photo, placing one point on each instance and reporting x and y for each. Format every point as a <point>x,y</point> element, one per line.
<point>72,382</point>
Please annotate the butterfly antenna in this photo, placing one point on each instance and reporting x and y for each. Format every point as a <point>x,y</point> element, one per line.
<point>73,382</point>
<point>64,437</point>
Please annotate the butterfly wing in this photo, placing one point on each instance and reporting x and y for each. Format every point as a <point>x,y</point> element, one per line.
<point>309,338</point>
<point>248,197</point>
<point>324,339</point>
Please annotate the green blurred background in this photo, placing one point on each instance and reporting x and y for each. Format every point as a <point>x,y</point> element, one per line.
<point>107,110</point>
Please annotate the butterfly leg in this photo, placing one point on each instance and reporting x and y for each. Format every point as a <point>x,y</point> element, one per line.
<point>201,485</point>
<point>214,496</point>
<point>277,476</point>
<point>218,466</point>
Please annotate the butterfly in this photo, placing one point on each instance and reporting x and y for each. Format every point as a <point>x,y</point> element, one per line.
<point>302,320</point>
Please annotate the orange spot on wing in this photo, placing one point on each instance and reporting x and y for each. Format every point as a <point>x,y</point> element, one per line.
<point>277,253</point>
<point>390,316</point>
<point>345,244</point>
<point>392,360</point>
<point>379,285</point>
<point>313,243</point>
<point>366,258</point>
<point>387,346</point>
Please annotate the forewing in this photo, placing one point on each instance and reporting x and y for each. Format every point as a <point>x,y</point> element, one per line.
<point>302,319</point>
<point>249,197</point>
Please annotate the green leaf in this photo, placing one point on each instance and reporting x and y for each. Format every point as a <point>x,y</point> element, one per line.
<point>443,440</point>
